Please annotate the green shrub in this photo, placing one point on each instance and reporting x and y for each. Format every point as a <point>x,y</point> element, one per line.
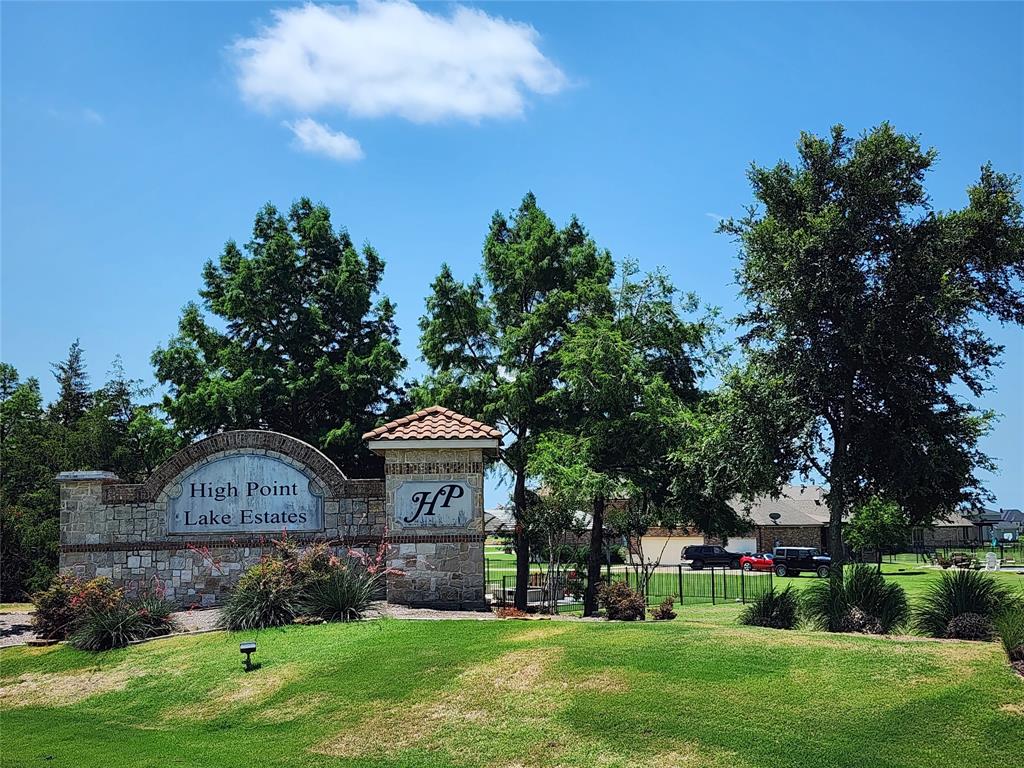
<point>156,614</point>
<point>956,593</point>
<point>111,627</point>
<point>69,600</point>
<point>865,603</point>
<point>342,594</point>
<point>315,562</point>
<point>777,610</point>
<point>621,602</point>
<point>664,611</point>
<point>266,596</point>
<point>1009,625</point>
<point>883,601</point>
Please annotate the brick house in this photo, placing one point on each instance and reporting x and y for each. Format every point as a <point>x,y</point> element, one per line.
<point>798,518</point>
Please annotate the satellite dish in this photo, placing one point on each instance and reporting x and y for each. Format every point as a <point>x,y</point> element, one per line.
<point>775,517</point>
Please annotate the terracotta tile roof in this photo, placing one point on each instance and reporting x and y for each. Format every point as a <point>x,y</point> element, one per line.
<point>434,423</point>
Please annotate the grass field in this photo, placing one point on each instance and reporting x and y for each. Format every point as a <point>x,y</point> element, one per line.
<point>696,692</point>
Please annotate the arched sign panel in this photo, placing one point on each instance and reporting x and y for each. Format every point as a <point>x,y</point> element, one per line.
<point>244,493</point>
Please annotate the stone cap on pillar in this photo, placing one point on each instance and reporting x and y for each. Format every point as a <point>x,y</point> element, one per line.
<point>434,427</point>
<point>87,476</point>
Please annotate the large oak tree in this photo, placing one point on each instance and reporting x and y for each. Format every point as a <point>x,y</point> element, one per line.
<point>863,311</point>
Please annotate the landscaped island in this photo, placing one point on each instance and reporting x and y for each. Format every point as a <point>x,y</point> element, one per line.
<point>503,693</point>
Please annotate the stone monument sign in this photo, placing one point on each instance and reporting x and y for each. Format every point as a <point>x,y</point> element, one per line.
<point>216,507</point>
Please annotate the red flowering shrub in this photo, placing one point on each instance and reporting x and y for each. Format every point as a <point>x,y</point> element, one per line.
<point>67,601</point>
<point>621,602</point>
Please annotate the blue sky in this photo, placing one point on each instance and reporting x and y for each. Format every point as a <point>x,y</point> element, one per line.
<point>138,137</point>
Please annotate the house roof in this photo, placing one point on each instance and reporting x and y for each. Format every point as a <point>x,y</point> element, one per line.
<point>955,520</point>
<point>434,423</point>
<point>798,505</point>
<point>499,520</point>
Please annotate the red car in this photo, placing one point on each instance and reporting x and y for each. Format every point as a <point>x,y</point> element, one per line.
<point>759,561</point>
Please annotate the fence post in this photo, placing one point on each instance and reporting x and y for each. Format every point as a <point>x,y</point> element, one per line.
<point>712,585</point>
<point>680,567</point>
<point>743,588</point>
<point>725,584</point>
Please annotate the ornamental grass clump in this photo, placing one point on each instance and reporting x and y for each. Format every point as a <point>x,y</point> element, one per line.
<point>126,621</point>
<point>1009,625</point>
<point>265,596</point>
<point>773,609</point>
<point>961,593</point>
<point>340,594</point>
<point>865,603</point>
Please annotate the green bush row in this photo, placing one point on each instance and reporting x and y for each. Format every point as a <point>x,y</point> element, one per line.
<point>965,605</point>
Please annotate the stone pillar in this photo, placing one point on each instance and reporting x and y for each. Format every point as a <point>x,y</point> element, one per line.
<point>83,521</point>
<point>434,504</point>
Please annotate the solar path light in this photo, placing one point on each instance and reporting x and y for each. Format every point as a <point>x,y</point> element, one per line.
<point>248,648</point>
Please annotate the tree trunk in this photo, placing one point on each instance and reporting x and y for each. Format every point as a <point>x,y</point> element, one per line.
<point>522,540</point>
<point>594,557</point>
<point>836,508</point>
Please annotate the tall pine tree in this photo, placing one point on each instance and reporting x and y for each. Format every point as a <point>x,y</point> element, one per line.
<point>491,342</point>
<point>307,347</point>
<point>73,397</point>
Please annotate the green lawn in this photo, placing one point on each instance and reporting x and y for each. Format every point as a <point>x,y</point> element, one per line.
<point>695,692</point>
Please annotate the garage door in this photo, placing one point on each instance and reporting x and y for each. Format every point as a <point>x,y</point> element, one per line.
<point>673,553</point>
<point>742,545</point>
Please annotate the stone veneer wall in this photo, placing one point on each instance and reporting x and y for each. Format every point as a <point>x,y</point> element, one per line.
<point>440,567</point>
<point>120,531</point>
<point>790,536</point>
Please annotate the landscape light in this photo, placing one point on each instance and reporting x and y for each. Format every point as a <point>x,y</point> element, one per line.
<point>248,648</point>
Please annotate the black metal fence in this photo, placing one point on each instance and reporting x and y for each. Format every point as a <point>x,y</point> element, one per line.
<point>1011,552</point>
<point>562,590</point>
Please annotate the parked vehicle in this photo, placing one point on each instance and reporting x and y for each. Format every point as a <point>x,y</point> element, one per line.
<point>707,554</point>
<point>792,561</point>
<point>759,561</point>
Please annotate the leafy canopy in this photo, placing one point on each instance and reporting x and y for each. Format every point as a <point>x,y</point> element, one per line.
<point>305,348</point>
<point>862,309</point>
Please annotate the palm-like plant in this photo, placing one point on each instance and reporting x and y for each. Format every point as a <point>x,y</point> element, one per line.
<point>865,603</point>
<point>777,610</point>
<point>957,593</point>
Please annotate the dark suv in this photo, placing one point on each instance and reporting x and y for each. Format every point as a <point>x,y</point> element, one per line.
<point>706,554</point>
<point>790,561</point>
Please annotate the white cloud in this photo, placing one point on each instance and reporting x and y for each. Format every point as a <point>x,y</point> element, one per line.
<point>715,216</point>
<point>90,115</point>
<point>314,137</point>
<point>393,58</point>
